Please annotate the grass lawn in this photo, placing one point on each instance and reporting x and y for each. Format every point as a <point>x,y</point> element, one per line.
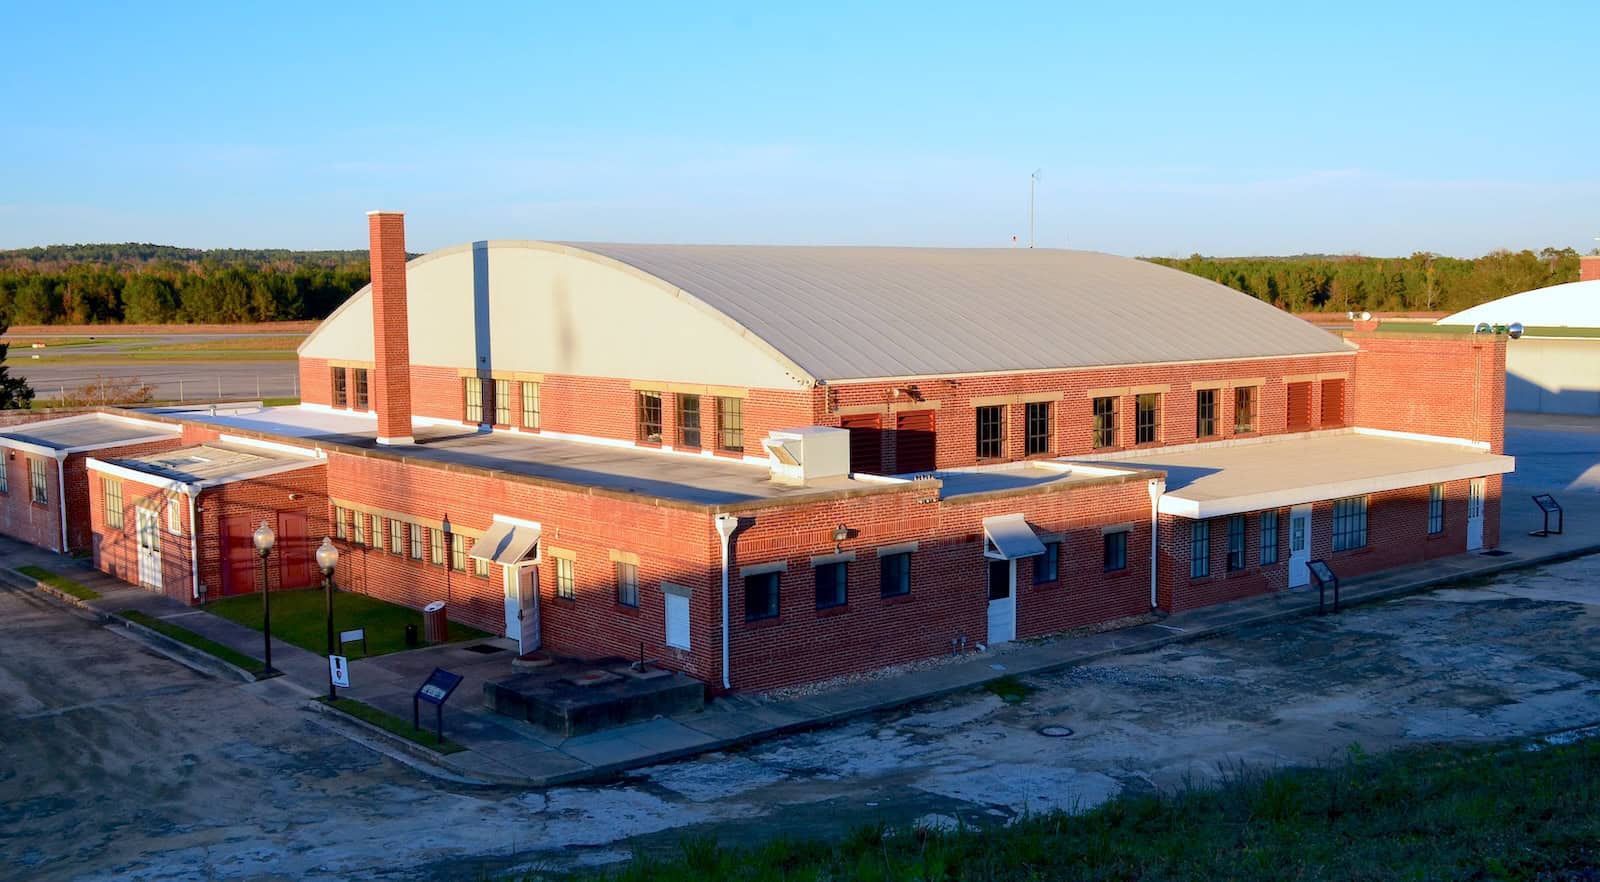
<point>300,617</point>
<point>184,635</point>
<point>391,723</point>
<point>279,402</point>
<point>61,582</point>
<point>1521,811</point>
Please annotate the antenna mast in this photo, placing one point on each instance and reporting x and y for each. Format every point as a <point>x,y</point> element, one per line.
<point>1033,181</point>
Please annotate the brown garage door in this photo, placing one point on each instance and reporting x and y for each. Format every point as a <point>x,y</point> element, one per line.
<point>914,441</point>
<point>866,442</point>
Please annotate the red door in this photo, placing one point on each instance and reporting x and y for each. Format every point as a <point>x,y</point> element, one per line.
<point>915,441</point>
<point>240,574</point>
<point>293,550</point>
<point>866,442</point>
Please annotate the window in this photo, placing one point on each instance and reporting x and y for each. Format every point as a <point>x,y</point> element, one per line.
<point>1299,407</point>
<point>1047,566</point>
<point>1038,435</point>
<point>1269,537</point>
<point>436,547</point>
<point>111,496</point>
<point>831,590</point>
<point>416,542</point>
<point>361,388</point>
<point>502,402</point>
<point>174,517</point>
<point>530,405</point>
<point>650,417</point>
<point>359,536</point>
<point>627,583</point>
<point>341,392</point>
<point>1205,413</point>
<point>1236,542</point>
<point>761,596</point>
<point>480,568</point>
<point>1147,418</point>
<point>5,479</point>
<point>991,432</point>
<point>458,553</point>
<point>1332,403</point>
<point>689,421</point>
<point>1244,409</point>
<point>566,581</point>
<point>1349,523</point>
<point>36,480</point>
<point>1116,550</point>
<point>1105,422</point>
<point>473,387</point>
<point>1199,549</point>
<point>377,532</point>
<point>730,424</point>
<point>677,616</point>
<point>397,537</point>
<point>1435,509</point>
<point>894,574</point>
<point>341,523</point>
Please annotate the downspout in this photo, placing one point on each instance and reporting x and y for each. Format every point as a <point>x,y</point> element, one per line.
<point>726,525</point>
<point>61,491</point>
<point>1158,486</point>
<point>193,493</point>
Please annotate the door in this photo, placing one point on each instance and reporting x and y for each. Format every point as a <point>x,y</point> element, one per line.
<point>238,556</point>
<point>1002,601</point>
<point>1475,492</point>
<point>293,550</point>
<point>522,605</point>
<point>149,529</point>
<point>866,442</point>
<point>914,441</point>
<point>1299,545</point>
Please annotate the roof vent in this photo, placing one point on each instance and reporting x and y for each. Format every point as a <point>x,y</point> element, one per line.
<point>802,456</point>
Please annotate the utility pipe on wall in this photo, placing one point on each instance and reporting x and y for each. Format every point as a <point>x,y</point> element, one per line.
<point>193,493</point>
<point>61,491</point>
<point>1158,487</point>
<point>726,525</point>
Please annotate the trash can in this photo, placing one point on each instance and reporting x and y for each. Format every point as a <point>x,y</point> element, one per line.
<point>435,628</point>
<point>411,636</point>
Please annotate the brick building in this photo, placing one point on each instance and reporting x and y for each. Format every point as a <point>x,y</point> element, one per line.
<point>765,466</point>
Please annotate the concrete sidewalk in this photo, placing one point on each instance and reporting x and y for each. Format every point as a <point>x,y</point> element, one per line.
<point>505,751</point>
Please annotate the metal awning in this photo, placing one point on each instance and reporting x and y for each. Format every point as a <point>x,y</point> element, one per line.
<point>505,543</point>
<point>1008,537</point>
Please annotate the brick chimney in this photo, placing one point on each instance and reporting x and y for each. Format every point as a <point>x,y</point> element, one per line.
<point>1589,267</point>
<point>391,344</point>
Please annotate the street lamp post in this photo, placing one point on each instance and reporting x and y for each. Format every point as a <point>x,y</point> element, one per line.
<point>263,539</point>
<point>449,555</point>
<point>327,559</point>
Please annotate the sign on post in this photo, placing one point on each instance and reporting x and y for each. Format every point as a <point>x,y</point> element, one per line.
<point>1548,506</point>
<point>339,670</point>
<point>435,691</point>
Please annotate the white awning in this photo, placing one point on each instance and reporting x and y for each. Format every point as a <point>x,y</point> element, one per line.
<point>505,543</point>
<point>1008,537</point>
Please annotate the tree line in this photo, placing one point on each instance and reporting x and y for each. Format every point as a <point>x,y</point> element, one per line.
<point>1423,282</point>
<point>159,284</point>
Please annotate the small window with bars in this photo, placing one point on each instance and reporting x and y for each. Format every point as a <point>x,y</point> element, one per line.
<point>1349,523</point>
<point>341,522</point>
<point>991,433</point>
<point>416,541</point>
<point>831,581</point>
<point>397,536</point>
<point>1147,418</point>
<point>1205,413</point>
<point>530,405</point>
<point>1116,551</point>
<point>1105,422</point>
<point>1038,428</point>
<point>37,482</point>
<point>111,496</point>
<point>480,568</point>
<point>689,421</point>
<point>458,552</point>
<point>341,392</point>
<point>1435,509</point>
<point>1269,537</point>
<point>894,574</point>
<point>627,583</point>
<point>502,402</point>
<point>473,394</point>
<point>1244,409</point>
<point>649,405</point>
<point>361,388</point>
<point>566,580</point>
<point>359,533</point>
<point>730,424</point>
<point>1199,549</point>
<point>1236,527</point>
<point>436,547</point>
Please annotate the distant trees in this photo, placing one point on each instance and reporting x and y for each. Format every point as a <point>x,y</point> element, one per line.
<point>1423,282</point>
<point>14,391</point>
<point>156,284</point>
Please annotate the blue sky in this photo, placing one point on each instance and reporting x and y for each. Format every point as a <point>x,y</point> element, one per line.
<point>1166,130</point>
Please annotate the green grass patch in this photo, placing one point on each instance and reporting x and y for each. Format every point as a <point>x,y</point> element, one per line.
<point>1527,331</point>
<point>190,638</point>
<point>301,618</point>
<point>391,723</point>
<point>279,402</point>
<point>59,582</point>
<point>1440,812</point>
<point>1010,689</point>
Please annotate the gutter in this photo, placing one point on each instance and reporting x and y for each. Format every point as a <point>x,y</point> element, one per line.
<point>61,491</point>
<point>1158,487</point>
<point>194,542</point>
<point>726,525</point>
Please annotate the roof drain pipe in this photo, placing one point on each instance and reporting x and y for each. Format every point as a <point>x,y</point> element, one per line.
<point>1158,486</point>
<point>61,491</point>
<point>726,524</point>
<point>193,493</point>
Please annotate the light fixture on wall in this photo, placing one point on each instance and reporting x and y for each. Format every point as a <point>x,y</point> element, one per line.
<point>840,533</point>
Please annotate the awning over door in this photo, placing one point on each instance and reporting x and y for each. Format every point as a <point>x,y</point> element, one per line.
<point>505,543</point>
<point>1008,537</point>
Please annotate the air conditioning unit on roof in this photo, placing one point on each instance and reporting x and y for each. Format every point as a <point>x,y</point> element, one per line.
<point>811,453</point>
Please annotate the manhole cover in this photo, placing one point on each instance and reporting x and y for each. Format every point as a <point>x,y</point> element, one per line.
<point>1498,552</point>
<point>1055,731</point>
<point>484,649</point>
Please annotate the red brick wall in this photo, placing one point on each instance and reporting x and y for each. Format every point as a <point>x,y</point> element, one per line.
<point>116,552</point>
<point>20,517</point>
<point>316,383</point>
<point>1073,417</point>
<point>1453,385</point>
<point>390,393</point>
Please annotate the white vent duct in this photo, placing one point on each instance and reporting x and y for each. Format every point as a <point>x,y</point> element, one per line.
<point>802,456</point>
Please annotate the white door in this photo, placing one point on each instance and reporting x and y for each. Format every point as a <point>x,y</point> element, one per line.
<point>149,528</point>
<point>524,597</point>
<point>1299,545</point>
<point>1002,601</point>
<point>1475,493</point>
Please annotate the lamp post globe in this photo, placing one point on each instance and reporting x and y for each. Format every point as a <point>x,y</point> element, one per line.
<point>264,538</point>
<point>327,559</point>
<point>327,556</point>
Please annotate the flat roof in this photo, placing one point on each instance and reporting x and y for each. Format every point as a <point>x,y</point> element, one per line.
<point>87,431</point>
<point>1223,478</point>
<point>687,478</point>
<point>1020,476</point>
<point>213,463</point>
